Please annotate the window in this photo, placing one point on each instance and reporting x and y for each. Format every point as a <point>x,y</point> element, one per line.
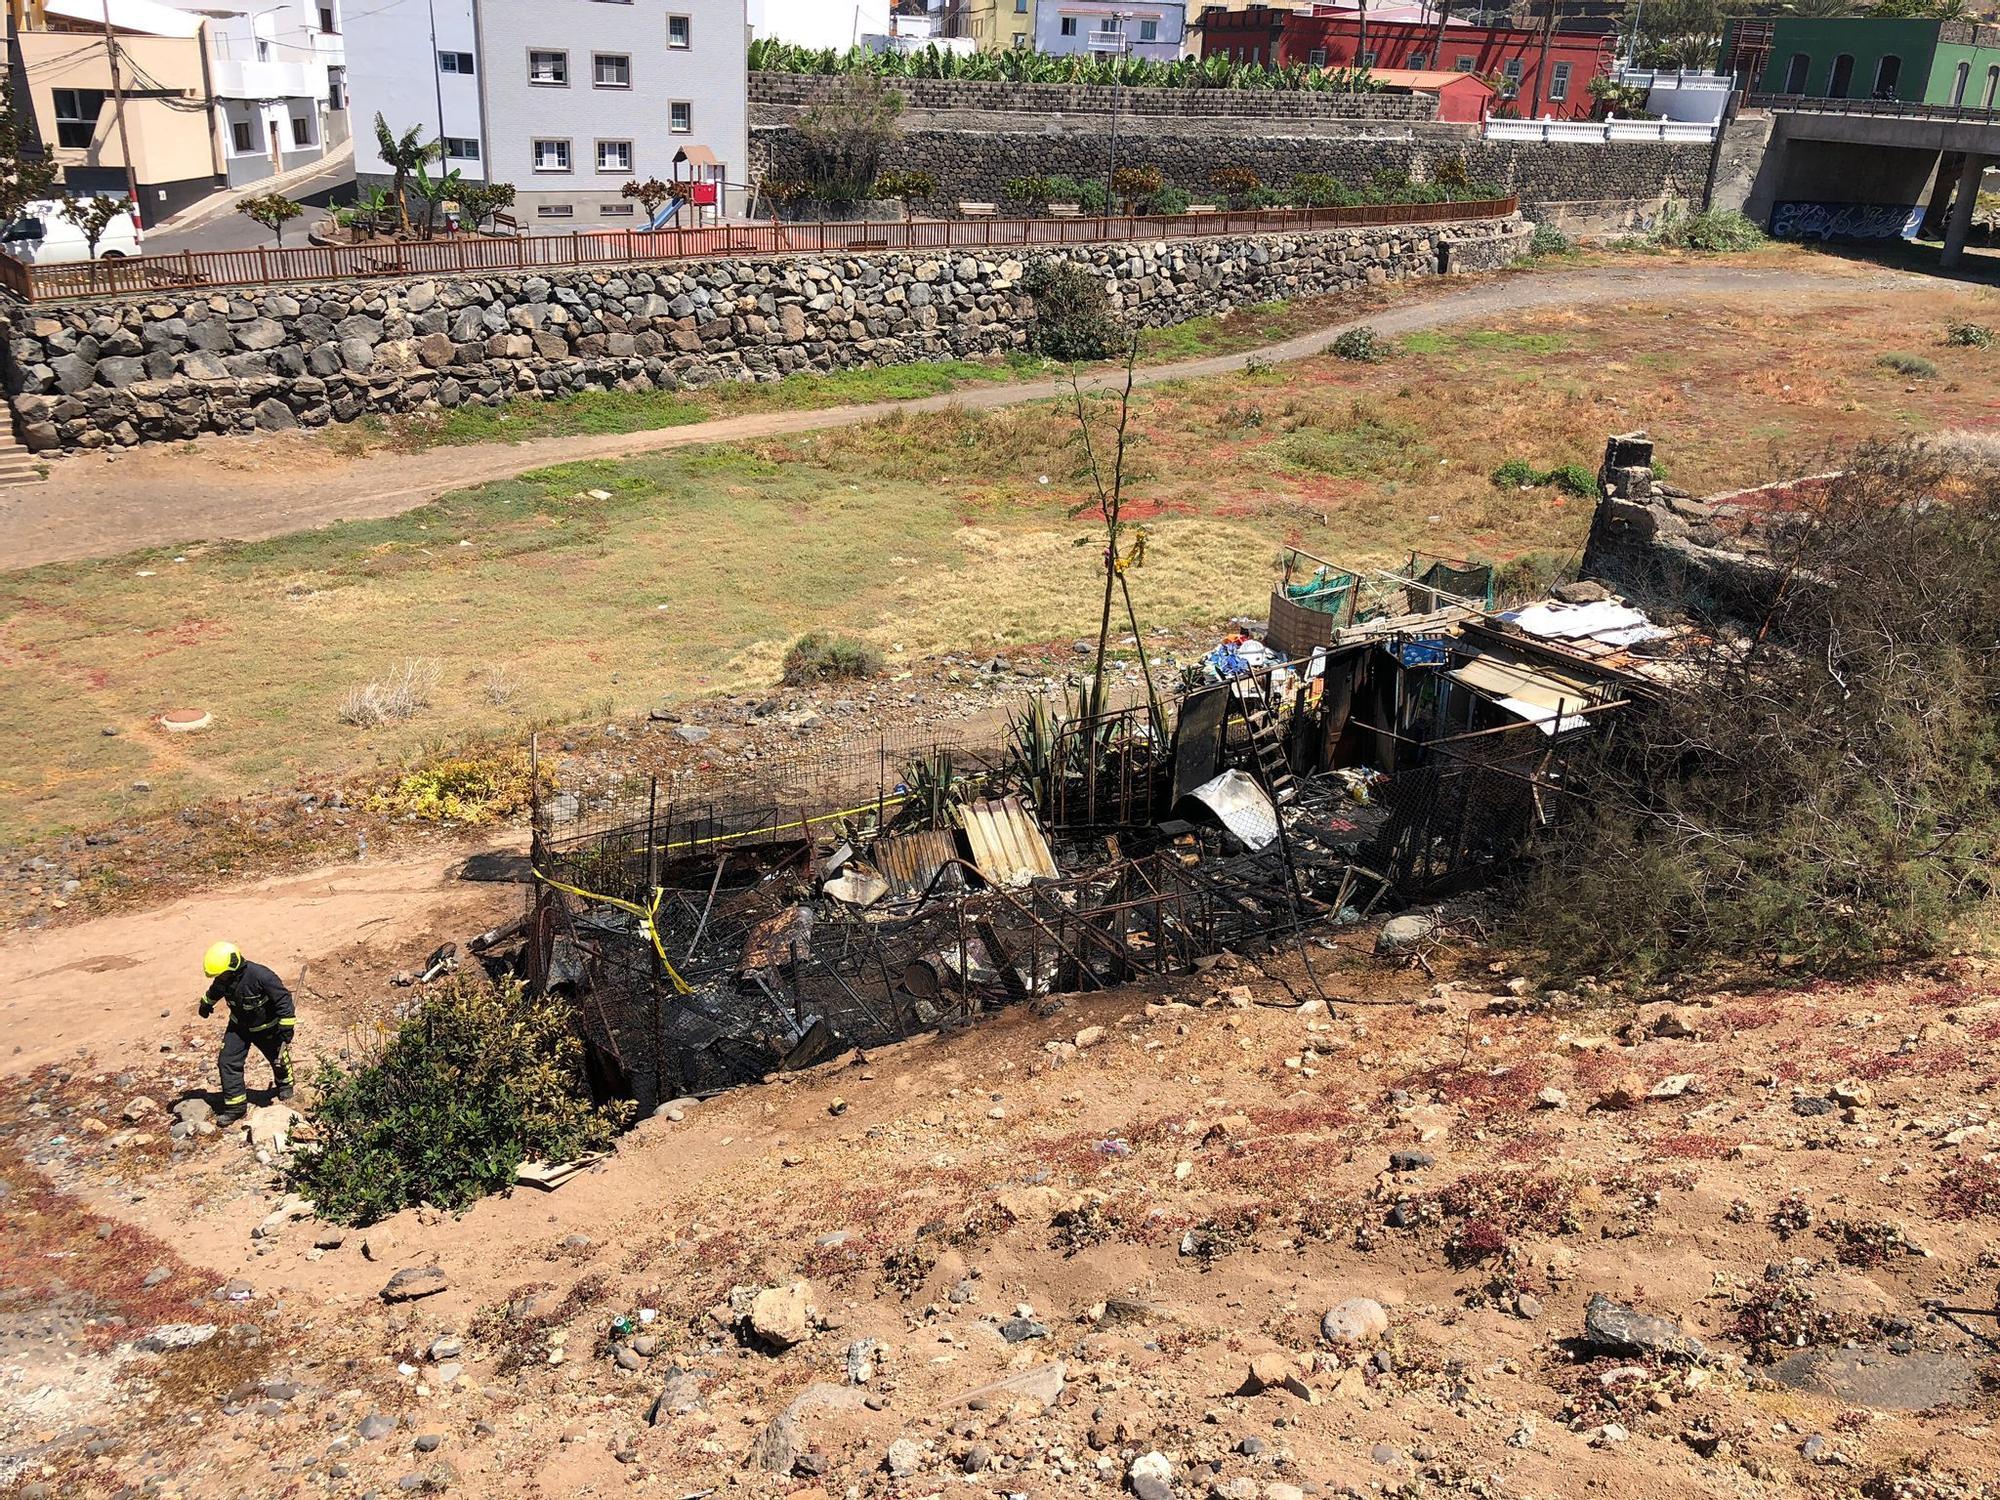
<point>263,49</point>
<point>1464,63</point>
<point>1317,57</point>
<point>1510,78</point>
<point>1020,7</point>
<point>614,156</point>
<point>555,210</point>
<point>551,156</point>
<point>1841,77</point>
<point>239,132</point>
<point>1069,25</point>
<point>326,19</point>
<point>76,115</point>
<point>611,70</point>
<point>1368,58</point>
<point>302,132</point>
<point>1888,73</point>
<point>1149,31</point>
<point>679,32</point>
<point>1795,73</point>
<point>680,117</point>
<point>1020,41</point>
<point>614,210</point>
<point>1420,60</point>
<point>1958,82</point>
<point>336,89</point>
<point>549,69</point>
<point>1108,24</point>
<point>1559,83</point>
<point>1992,85</point>
<point>455,62</point>
<point>461,148</point>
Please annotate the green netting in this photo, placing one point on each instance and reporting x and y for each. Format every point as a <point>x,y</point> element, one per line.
<point>1326,591</point>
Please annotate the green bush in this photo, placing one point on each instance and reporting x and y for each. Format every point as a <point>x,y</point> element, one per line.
<point>1072,315</point>
<point>1363,344</point>
<point>1572,479</point>
<point>1087,195</point>
<point>820,657</point>
<point>1913,365</point>
<point>1031,192</point>
<point>1530,576</point>
<point>1516,474</point>
<point>1549,240</point>
<point>1317,190</point>
<point>1714,230</point>
<point>1170,200</point>
<point>1969,336</point>
<point>482,1078</point>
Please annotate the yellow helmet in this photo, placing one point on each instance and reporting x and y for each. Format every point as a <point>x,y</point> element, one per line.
<point>221,958</point>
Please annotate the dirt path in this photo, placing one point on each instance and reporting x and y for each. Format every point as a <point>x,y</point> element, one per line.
<point>118,986</point>
<point>95,506</point>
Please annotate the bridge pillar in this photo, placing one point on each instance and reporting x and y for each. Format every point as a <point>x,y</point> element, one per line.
<point>1959,225</point>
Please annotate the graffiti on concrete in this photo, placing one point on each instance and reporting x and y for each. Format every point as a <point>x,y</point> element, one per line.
<point>1846,221</point>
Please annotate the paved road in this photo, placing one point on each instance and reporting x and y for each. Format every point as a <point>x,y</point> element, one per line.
<point>218,226</point>
<point>95,506</point>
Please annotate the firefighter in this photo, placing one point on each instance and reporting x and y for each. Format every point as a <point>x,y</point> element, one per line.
<point>260,1016</point>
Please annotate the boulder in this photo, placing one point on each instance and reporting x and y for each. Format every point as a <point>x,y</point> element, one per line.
<point>413,1282</point>
<point>1405,934</point>
<point>1354,1323</point>
<point>1613,1328</point>
<point>782,1315</point>
<point>777,1447</point>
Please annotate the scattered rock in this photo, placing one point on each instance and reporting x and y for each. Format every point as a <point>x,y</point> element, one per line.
<point>1151,1477</point>
<point>1618,1329</point>
<point>1626,1093</point>
<point>1043,1383</point>
<point>778,1446</point>
<point>1354,1324</point>
<point>1273,1371</point>
<point>782,1315</point>
<point>413,1282</point>
<point>905,1457</point>
<point>1018,1330</point>
<point>1410,1161</point>
<point>1405,934</point>
<point>680,1395</point>
<point>375,1426</point>
<point>177,1336</point>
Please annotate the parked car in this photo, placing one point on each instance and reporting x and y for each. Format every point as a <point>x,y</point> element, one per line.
<point>42,236</point>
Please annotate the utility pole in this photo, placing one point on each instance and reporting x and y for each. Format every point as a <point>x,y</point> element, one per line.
<point>1111,171</point>
<point>1542,64</point>
<point>118,102</point>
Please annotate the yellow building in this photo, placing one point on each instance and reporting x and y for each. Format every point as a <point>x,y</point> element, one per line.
<point>162,67</point>
<point>994,25</point>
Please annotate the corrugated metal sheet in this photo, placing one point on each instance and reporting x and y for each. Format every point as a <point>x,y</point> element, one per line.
<point>911,861</point>
<point>1240,803</point>
<point>1007,843</point>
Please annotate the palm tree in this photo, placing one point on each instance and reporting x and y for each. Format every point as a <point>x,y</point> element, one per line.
<point>402,155</point>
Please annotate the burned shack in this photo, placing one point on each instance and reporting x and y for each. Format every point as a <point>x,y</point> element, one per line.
<point>1394,738</point>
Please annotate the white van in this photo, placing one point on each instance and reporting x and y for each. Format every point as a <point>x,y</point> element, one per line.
<point>43,237</point>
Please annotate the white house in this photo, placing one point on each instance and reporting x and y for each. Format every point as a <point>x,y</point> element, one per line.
<point>277,76</point>
<point>568,102</point>
<point>839,24</point>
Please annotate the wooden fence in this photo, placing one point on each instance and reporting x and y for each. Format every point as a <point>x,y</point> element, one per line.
<point>471,255</point>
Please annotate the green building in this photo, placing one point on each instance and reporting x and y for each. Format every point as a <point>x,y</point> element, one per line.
<point>1954,63</point>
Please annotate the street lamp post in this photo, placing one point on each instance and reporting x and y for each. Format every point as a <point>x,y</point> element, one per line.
<point>1119,48</point>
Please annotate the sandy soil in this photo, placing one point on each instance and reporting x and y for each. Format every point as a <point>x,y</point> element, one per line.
<point>1150,1189</point>
<point>223,488</point>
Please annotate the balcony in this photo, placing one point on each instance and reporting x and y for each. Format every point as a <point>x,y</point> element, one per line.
<point>235,79</point>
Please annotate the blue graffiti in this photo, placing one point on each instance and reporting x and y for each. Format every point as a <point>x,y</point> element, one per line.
<point>1846,221</point>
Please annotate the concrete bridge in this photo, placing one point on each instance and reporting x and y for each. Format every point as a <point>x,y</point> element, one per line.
<point>1853,168</point>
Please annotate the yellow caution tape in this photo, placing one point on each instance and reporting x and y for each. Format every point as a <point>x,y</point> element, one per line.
<point>648,921</point>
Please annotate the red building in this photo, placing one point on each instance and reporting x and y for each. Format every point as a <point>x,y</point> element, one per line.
<point>1511,56</point>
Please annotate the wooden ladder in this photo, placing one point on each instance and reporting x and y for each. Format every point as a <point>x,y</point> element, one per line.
<point>1269,749</point>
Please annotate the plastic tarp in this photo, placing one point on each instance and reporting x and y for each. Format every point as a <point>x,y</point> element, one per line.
<point>1240,803</point>
<point>1607,621</point>
<point>1552,704</point>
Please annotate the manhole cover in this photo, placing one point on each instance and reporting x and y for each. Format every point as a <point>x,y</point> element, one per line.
<point>181,720</point>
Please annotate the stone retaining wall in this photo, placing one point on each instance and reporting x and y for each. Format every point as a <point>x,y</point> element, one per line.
<point>1621,183</point>
<point>99,373</point>
<point>1255,105</point>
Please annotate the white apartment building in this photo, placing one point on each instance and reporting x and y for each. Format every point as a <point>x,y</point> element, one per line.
<point>839,24</point>
<point>568,100</point>
<point>276,74</point>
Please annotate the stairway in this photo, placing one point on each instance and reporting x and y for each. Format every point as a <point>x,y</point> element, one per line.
<point>1269,749</point>
<point>17,464</point>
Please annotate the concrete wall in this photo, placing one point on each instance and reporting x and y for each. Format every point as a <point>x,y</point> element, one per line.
<point>99,373</point>
<point>923,96</point>
<point>392,71</point>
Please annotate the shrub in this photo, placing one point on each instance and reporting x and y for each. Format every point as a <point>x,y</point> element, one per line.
<point>1713,230</point>
<point>820,657</point>
<point>841,139</point>
<point>403,694</point>
<point>1820,794</point>
<point>1236,182</point>
<point>1969,336</point>
<point>1317,190</point>
<point>1033,192</point>
<point>1516,474</point>
<point>1913,365</point>
<point>1549,240</point>
<point>1572,479</point>
<point>1089,195</point>
<point>1531,575</point>
<point>1171,200</point>
<point>472,787</point>
<point>1073,318</point>
<point>911,187</point>
<point>482,1078</point>
<point>1363,344</point>
<point>1130,184</point>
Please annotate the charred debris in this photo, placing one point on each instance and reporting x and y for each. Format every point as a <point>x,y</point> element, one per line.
<point>1392,738</point>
